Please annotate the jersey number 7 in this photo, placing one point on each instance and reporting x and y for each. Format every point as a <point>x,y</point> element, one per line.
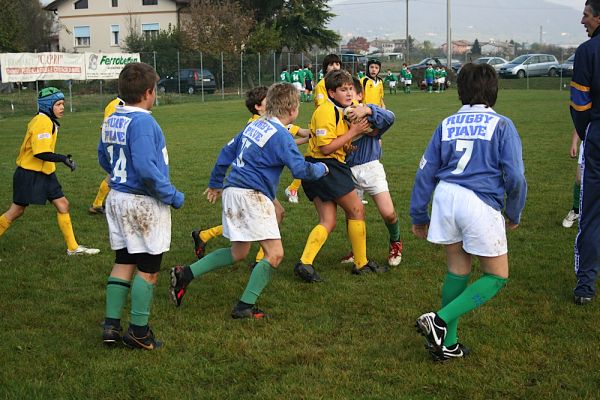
<point>467,147</point>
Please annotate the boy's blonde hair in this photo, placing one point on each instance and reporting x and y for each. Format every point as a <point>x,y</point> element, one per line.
<point>282,98</point>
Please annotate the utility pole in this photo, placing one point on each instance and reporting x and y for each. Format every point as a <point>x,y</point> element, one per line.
<point>407,38</point>
<point>541,32</point>
<point>448,34</point>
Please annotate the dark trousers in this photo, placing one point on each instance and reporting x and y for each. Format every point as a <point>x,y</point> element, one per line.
<point>587,243</point>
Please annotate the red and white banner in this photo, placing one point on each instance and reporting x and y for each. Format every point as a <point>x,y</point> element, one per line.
<point>29,67</point>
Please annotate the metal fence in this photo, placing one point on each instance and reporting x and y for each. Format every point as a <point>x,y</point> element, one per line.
<point>233,75</point>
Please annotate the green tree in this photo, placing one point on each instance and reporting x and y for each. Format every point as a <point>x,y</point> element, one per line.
<point>25,26</point>
<point>476,48</point>
<point>165,45</point>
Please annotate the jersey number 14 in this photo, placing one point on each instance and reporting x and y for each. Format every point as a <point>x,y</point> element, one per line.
<point>120,166</point>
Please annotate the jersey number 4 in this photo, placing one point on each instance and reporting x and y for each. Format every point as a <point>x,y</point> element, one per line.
<point>467,147</point>
<point>240,160</point>
<point>120,166</point>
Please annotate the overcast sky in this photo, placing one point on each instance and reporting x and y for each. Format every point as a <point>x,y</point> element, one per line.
<point>554,21</point>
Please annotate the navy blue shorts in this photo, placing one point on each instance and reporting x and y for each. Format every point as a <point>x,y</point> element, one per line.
<point>308,85</point>
<point>337,183</point>
<point>148,263</point>
<point>33,187</point>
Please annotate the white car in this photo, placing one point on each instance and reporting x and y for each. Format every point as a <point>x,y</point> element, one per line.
<point>495,62</point>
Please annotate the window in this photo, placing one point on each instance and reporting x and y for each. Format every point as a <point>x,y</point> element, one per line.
<point>115,3</point>
<point>82,35</point>
<point>150,30</point>
<point>81,4</point>
<point>149,2</point>
<point>114,35</point>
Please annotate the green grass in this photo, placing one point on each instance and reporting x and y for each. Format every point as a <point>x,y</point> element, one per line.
<point>347,338</point>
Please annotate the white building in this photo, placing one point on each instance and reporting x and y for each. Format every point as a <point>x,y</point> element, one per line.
<point>103,25</point>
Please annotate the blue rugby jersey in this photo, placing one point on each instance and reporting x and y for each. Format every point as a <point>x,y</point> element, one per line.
<point>585,108</point>
<point>133,151</point>
<point>480,150</point>
<point>257,156</point>
<point>368,147</point>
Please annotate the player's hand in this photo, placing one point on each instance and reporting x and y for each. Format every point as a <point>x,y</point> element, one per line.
<point>420,230</point>
<point>69,162</point>
<point>360,126</point>
<point>573,151</point>
<point>356,113</point>
<point>511,225</point>
<point>212,194</point>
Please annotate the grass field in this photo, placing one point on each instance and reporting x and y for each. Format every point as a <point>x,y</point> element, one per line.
<point>347,338</point>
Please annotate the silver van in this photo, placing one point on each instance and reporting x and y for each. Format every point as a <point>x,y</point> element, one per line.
<point>530,65</point>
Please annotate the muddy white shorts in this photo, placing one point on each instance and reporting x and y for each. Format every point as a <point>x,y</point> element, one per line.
<point>248,216</point>
<point>140,223</point>
<point>458,215</point>
<point>370,177</point>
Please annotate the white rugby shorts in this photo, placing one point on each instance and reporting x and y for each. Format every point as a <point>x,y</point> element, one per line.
<point>458,215</point>
<point>370,177</point>
<point>392,84</point>
<point>580,157</point>
<point>248,216</point>
<point>140,223</point>
<point>408,81</point>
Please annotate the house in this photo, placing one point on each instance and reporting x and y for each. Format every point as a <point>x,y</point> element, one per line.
<point>458,47</point>
<point>102,26</point>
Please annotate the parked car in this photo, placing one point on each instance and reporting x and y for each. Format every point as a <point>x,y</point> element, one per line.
<point>190,80</point>
<point>495,62</point>
<point>439,61</point>
<point>530,65</point>
<point>566,69</point>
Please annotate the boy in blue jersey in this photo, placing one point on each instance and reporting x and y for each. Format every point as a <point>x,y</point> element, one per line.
<point>256,156</point>
<point>132,150</point>
<point>473,161</point>
<point>368,173</point>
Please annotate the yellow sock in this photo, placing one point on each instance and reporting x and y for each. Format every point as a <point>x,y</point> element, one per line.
<point>260,255</point>
<point>210,233</point>
<point>102,193</point>
<point>316,239</point>
<point>295,185</point>
<point>4,224</point>
<point>357,232</point>
<point>64,223</point>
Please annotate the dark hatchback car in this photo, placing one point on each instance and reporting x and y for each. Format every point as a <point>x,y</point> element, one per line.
<point>566,69</point>
<point>190,80</point>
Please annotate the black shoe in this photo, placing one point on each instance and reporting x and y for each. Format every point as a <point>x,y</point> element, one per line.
<point>111,334</point>
<point>251,313</point>
<point>434,329</point>
<point>457,350</point>
<point>370,267</point>
<point>178,284</point>
<point>97,210</point>
<point>307,273</point>
<point>582,300</point>
<point>148,342</point>
<point>199,245</point>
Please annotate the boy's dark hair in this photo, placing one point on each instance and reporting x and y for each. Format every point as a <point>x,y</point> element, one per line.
<point>337,78</point>
<point>331,59</point>
<point>254,97</point>
<point>358,88</point>
<point>134,80</point>
<point>477,84</point>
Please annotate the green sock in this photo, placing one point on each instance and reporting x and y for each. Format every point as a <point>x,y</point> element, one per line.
<point>116,295</point>
<point>576,194</point>
<point>213,260</point>
<point>454,285</point>
<point>261,275</point>
<point>394,230</point>
<point>475,295</point>
<point>142,293</point>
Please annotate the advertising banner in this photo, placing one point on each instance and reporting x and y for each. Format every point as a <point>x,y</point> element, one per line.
<point>29,67</point>
<point>107,65</point>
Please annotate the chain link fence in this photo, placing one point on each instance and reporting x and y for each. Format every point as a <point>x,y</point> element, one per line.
<point>202,77</point>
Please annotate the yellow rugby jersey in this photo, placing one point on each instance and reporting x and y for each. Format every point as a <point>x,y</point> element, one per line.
<point>40,138</point>
<point>320,93</point>
<point>372,91</point>
<point>327,123</point>
<point>112,107</point>
<point>291,127</point>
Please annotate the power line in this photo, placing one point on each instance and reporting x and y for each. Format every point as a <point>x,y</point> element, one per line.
<point>443,2</point>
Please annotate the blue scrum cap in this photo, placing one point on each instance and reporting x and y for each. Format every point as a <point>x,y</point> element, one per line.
<point>47,98</point>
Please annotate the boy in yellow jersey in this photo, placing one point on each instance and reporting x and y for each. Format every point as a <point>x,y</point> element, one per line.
<point>34,181</point>
<point>97,206</point>
<point>331,62</point>
<point>330,137</point>
<point>373,85</point>
<point>256,100</point>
